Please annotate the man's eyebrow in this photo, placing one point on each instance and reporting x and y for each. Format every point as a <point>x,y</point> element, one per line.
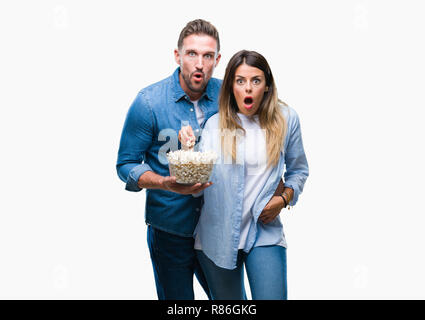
<point>194,50</point>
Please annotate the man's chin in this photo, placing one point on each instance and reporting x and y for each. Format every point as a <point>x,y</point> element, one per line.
<point>198,88</point>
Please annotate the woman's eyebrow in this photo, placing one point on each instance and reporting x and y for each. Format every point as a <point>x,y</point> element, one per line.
<point>254,76</point>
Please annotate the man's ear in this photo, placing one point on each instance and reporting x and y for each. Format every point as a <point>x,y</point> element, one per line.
<point>177,56</point>
<point>217,60</point>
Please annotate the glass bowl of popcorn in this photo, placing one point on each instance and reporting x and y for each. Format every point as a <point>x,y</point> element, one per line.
<point>190,167</point>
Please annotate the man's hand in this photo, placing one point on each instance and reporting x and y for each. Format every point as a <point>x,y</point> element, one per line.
<point>151,180</point>
<point>187,137</point>
<point>169,183</point>
<point>271,210</point>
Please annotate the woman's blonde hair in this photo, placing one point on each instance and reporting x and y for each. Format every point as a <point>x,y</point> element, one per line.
<point>270,117</point>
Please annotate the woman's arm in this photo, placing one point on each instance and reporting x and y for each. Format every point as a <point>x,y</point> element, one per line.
<point>297,170</point>
<point>274,206</point>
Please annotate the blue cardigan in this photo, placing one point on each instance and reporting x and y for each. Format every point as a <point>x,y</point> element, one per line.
<point>219,223</point>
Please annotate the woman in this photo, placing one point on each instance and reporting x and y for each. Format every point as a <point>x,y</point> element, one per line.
<point>255,136</point>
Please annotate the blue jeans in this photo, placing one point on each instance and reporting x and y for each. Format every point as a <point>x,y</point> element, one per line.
<point>265,268</point>
<point>174,263</point>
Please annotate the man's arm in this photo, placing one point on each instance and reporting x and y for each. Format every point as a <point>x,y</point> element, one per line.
<point>151,180</point>
<point>136,139</point>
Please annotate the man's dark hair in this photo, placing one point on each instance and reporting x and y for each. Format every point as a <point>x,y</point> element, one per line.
<point>198,26</point>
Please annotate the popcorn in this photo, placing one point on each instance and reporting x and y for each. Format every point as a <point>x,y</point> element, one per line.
<point>191,167</point>
<point>187,137</point>
<point>190,143</point>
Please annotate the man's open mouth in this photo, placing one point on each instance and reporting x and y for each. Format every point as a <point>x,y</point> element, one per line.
<point>198,76</point>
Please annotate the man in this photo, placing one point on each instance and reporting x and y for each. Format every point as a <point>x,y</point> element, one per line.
<point>188,97</point>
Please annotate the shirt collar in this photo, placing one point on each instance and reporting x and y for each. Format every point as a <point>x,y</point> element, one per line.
<point>179,93</point>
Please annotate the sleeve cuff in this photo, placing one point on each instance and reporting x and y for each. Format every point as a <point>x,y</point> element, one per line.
<point>293,186</point>
<point>134,175</point>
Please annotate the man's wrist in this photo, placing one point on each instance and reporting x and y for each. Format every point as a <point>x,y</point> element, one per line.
<point>160,182</point>
<point>139,182</point>
<point>151,180</point>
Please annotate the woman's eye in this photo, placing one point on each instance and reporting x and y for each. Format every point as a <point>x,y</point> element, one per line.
<point>239,81</point>
<point>256,81</point>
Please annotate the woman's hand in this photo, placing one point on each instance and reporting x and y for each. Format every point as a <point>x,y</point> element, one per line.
<point>186,137</point>
<point>271,210</point>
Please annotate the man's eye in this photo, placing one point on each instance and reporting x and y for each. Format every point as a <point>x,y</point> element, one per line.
<point>192,54</point>
<point>208,56</point>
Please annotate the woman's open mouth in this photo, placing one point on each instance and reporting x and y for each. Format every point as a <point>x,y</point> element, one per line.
<point>248,102</point>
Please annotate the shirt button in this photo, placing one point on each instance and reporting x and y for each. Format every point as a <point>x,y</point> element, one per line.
<point>197,130</point>
<point>191,109</point>
<point>197,209</point>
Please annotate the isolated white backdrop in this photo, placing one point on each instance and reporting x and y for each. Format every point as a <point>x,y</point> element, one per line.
<point>69,70</point>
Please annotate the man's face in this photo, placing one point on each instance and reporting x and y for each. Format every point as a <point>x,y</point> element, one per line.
<point>197,59</point>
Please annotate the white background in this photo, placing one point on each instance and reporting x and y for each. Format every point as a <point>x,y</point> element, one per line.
<point>69,70</point>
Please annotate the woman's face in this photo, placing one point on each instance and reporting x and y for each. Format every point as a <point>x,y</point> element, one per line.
<point>248,88</point>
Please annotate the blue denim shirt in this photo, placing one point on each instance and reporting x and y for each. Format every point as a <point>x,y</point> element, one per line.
<point>150,131</point>
<point>219,224</point>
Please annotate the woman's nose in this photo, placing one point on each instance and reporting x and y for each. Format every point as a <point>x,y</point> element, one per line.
<point>248,87</point>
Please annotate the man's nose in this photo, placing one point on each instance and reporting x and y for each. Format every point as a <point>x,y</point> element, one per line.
<point>200,63</point>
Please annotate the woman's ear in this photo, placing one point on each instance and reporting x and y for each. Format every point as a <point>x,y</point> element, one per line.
<point>267,89</point>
